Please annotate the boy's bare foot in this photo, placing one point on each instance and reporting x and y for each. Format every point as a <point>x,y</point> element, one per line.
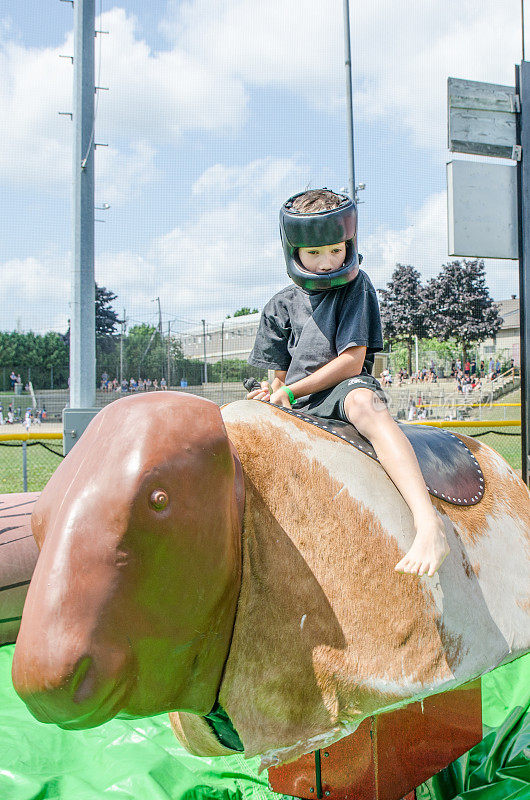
<point>429,549</point>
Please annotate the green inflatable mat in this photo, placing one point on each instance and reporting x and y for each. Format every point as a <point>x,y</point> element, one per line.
<point>142,760</point>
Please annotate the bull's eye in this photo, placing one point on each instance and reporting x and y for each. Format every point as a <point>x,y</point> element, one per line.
<point>158,500</point>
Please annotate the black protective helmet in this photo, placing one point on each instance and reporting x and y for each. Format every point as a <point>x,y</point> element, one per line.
<point>303,229</point>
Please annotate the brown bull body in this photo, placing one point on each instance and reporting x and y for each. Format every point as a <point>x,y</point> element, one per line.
<point>324,633</point>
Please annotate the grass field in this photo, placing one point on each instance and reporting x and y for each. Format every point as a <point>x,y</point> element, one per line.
<point>42,462</point>
<point>41,465</point>
<point>509,446</point>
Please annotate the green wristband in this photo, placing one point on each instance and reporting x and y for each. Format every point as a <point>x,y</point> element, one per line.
<point>289,394</point>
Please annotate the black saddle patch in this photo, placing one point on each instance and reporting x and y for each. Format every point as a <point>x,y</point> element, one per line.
<point>450,470</point>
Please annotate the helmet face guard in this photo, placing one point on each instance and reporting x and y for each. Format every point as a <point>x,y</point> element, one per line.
<point>301,229</point>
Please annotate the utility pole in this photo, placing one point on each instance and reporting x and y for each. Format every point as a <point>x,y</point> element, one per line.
<point>522,88</point>
<point>168,354</point>
<point>83,326</point>
<point>222,362</point>
<point>349,102</point>
<point>83,316</point>
<point>159,317</point>
<point>205,365</point>
<point>121,345</point>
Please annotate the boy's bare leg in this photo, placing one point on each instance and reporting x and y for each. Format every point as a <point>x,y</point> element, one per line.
<point>371,418</point>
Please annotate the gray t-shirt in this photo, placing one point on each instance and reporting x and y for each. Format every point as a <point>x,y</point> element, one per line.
<point>300,331</point>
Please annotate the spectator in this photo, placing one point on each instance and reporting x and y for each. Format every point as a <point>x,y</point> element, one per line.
<point>163,385</point>
<point>13,379</point>
<point>412,411</point>
<point>1,415</point>
<point>482,368</point>
<point>148,384</point>
<point>155,385</point>
<point>27,419</point>
<point>491,369</point>
<point>467,367</point>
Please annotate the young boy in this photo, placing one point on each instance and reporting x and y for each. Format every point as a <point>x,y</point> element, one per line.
<point>319,335</point>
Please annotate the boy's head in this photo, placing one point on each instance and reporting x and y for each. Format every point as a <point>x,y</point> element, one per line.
<point>318,230</point>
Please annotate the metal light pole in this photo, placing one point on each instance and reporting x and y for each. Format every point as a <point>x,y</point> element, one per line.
<point>121,347</point>
<point>83,325</point>
<point>83,317</point>
<point>168,354</point>
<point>347,61</point>
<point>205,366</point>
<point>222,362</point>
<point>522,87</point>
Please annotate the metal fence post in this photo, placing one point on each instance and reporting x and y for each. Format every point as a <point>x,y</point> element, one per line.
<point>522,87</point>
<point>24,466</point>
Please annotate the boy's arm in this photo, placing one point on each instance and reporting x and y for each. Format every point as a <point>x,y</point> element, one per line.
<point>279,379</point>
<point>347,365</point>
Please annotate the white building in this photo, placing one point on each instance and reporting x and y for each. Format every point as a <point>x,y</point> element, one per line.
<point>506,343</point>
<point>230,339</point>
<point>233,339</point>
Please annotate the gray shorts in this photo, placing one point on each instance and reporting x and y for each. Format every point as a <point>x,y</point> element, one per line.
<point>329,403</point>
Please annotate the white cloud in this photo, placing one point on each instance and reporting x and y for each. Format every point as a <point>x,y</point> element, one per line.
<point>121,174</point>
<point>402,53</point>
<point>153,98</point>
<point>38,292</point>
<point>228,254</point>
<point>35,84</point>
<point>422,242</point>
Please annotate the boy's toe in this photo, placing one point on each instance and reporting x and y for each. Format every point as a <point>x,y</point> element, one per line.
<point>402,565</point>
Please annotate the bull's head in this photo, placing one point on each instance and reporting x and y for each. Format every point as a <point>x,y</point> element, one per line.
<point>132,603</point>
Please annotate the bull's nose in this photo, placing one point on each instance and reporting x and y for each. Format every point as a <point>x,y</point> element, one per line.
<point>82,697</point>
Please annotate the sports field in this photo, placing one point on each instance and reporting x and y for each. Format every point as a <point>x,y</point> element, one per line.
<point>44,457</point>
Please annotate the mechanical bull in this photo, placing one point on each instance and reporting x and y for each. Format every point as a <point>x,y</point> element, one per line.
<point>236,567</point>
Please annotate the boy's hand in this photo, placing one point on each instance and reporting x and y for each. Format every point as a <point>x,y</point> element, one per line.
<point>280,398</point>
<point>264,393</point>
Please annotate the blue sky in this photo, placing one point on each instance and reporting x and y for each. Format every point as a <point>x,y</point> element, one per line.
<point>216,112</point>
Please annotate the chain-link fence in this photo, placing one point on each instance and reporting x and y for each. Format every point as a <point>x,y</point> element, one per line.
<point>26,466</point>
<point>505,440</point>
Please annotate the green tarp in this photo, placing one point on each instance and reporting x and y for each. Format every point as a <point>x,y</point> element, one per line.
<point>142,760</point>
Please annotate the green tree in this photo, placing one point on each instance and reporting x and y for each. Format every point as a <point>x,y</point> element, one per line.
<point>243,312</point>
<point>458,304</point>
<point>403,309</point>
<point>34,357</point>
<point>107,334</point>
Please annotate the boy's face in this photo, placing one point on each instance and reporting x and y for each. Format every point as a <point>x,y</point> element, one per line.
<point>326,258</point>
